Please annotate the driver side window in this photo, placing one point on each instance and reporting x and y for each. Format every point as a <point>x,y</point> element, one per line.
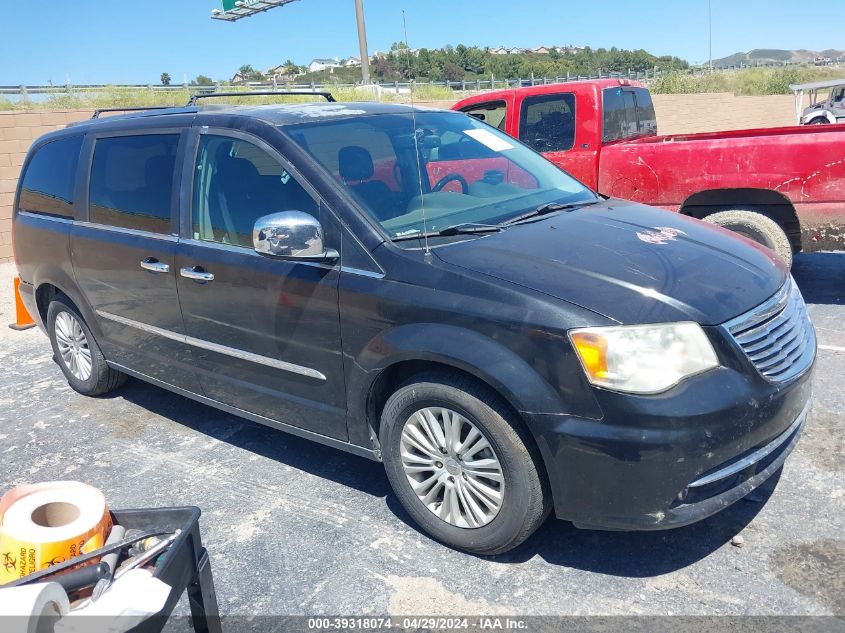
<point>237,182</point>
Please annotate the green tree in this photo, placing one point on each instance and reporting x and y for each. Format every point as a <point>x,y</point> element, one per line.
<point>165,79</point>
<point>202,80</point>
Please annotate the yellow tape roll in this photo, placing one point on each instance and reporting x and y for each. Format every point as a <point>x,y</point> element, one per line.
<point>46,524</point>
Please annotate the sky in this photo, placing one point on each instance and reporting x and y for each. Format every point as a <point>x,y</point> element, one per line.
<point>120,41</point>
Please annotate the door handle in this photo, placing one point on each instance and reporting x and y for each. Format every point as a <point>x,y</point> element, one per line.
<point>154,266</point>
<point>196,273</point>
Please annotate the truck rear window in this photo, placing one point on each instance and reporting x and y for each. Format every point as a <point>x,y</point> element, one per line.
<point>48,183</point>
<point>628,113</point>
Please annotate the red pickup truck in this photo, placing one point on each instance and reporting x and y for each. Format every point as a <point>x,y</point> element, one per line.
<point>783,187</point>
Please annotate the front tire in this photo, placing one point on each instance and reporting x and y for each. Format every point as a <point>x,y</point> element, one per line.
<point>758,227</point>
<point>462,466</point>
<point>76,351</point>
<point>819,120</point>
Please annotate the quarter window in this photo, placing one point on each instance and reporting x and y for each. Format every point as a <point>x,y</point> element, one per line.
<point>48,183</point>
<point>547,122</point>
<point>237,182</point>
<point>132,182</point>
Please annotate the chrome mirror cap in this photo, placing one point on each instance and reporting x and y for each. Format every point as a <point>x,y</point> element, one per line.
<point>291,235</point>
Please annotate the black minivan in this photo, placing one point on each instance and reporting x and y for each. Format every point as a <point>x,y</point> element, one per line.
<point>414,286</point>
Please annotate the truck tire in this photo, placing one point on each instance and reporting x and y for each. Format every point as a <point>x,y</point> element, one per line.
<point>819,120</point>
<point>482,489</point>
<point>758,227</point>
<point>76,351</point>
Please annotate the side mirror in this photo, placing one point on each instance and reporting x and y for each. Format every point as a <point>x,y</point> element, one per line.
<point>291,235</point>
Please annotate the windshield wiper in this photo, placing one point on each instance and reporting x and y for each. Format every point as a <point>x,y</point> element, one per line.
<point>547,208</point>
<point>466,228</point>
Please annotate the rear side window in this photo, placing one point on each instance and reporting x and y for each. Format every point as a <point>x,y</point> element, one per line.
<point>547,122</point>
<point>47,185</point>
<point>627,113</point>
<point>493,113</point>
<point>132,181</point>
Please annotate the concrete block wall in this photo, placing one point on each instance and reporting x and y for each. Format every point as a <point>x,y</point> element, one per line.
<point>17,132</point>
<point>676,114</point>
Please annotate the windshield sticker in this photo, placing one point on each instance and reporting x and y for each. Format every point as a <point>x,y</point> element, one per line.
<point>660,235</point>
<point>487,138</point>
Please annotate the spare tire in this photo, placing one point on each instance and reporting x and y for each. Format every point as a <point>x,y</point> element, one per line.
<point>758,227</point>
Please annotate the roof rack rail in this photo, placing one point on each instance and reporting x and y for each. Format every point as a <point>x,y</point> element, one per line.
<point>99,111</point>
<point>262,93</point>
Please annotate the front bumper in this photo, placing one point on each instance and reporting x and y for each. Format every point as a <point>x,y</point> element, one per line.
<point>665,461</point>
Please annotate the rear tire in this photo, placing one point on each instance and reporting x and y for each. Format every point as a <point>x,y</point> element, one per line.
<point>758,227</point>
<point>76,351</point>
<point>497,495</point>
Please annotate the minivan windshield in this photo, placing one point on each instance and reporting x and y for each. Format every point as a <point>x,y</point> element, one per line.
<point>435,170</point>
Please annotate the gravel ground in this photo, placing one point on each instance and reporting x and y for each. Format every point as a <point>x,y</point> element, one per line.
<point>297,528</point>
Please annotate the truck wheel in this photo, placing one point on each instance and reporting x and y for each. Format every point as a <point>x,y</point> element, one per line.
<point>76,351</point>
<point>758,227</point>
<point>819,120</point>
<point>461,465</point>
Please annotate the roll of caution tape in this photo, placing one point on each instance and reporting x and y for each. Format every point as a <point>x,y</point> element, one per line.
<point>48,523</point>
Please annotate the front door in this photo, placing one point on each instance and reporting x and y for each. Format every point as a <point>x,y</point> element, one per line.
<point>265,332</point>
<point>548,124</point>
<point>123,253</point>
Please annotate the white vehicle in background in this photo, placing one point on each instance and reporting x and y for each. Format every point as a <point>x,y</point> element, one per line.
<point>830,108</point>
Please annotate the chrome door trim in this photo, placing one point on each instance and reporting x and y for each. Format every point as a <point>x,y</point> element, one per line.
<point>215,347</point>
<point>120,229</point>
<point>44,216</point>
<point>361,272</point>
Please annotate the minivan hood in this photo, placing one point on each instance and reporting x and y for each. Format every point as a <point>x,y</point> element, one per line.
<point>630,263</point>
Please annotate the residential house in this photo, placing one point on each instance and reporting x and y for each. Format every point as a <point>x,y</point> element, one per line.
<point>499,50</point>
<point>351,61</point>
<point>317,65</point>
<point>238,78</point>
<point>281,73</point>
<point>541,50</point>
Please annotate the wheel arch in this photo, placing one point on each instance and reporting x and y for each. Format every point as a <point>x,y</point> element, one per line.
<point>768,202</point>
<point>416,349</point>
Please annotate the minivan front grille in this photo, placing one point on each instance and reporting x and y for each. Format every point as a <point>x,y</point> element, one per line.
<point>777,336</point>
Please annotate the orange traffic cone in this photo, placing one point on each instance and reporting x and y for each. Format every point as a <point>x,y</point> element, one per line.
<point>23,320</point>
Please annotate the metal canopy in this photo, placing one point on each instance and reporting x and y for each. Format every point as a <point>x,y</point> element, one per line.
<point>247,8</point>
<point>818,85</point>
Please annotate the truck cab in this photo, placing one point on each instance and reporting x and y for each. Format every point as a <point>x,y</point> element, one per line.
<point>558,121</point>
<point>783,188</point>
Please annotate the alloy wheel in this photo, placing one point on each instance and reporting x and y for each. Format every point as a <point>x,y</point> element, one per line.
<point>73,346</point>
<point>452,467</point>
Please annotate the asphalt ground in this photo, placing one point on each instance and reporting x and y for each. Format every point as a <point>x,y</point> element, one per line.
<point>297,528</point>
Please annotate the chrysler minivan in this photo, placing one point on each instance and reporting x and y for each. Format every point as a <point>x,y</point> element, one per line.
<point>416,287</point>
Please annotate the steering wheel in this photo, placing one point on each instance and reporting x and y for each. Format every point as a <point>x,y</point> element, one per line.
<point>452,178</point>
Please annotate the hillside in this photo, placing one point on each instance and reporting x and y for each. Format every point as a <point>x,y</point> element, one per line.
<point>764,56</point>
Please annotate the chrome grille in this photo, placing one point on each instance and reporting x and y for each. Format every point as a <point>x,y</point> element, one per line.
<point>777,336</point>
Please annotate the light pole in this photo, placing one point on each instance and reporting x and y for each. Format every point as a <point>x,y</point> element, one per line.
<point>362,42</point>
<point>710,21</point>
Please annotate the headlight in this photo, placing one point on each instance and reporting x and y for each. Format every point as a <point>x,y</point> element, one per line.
<point>643,358</point>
